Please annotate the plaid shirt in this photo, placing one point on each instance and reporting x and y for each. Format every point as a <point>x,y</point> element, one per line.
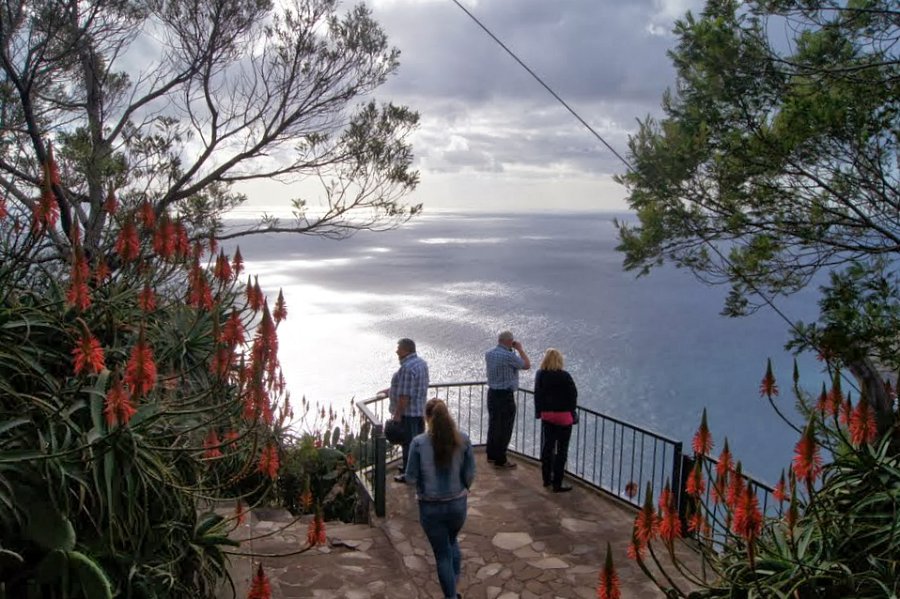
<point>411,380</point>
<point>503,367</point>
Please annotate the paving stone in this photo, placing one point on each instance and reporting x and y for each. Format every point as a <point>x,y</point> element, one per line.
<point>511,540</point>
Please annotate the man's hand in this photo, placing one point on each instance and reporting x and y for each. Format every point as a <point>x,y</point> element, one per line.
<point>517,345</point>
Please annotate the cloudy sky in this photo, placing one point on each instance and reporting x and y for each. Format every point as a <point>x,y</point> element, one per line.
<point>491,137</point>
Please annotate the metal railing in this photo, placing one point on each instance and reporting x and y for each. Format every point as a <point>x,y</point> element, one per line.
<point>609,454</point>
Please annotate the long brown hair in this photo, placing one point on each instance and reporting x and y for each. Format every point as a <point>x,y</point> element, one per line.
<point>444,436</point>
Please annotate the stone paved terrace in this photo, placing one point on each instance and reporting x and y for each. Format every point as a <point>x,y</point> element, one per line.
<point>520,542</point>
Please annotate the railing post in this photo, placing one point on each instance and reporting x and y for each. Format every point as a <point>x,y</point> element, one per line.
<point>677,483</point>
<point>380,482</point>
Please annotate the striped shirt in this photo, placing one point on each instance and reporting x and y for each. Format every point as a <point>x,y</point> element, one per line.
<point>410,380</point>
<point>503,365</point>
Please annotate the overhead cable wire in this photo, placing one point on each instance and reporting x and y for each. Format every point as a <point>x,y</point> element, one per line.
<point>768,301</point>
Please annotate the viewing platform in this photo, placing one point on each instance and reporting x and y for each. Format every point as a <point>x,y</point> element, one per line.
<point>520,541</point>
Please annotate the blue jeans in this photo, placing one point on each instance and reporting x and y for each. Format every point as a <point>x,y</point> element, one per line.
<point>442,521</point>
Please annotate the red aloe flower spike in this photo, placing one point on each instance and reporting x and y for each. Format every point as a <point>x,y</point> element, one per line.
<point>635,549</point>
<point>696,523</point>
<point>736,487</point>
<point>315,534</point>
<point>725,465</point>
<point>702,442</point>
<point>779,493</point>
<point>111,205</point>
<point>240,515</point>
<point>268,461</point>
<point>78,294</point>
<point>101,272</point>
<point>807,461</point>
<point>255,297</point>
<point>863,428</point>
<point>846,410</point>
<point>646,524</point>
<point>118,408</point>
<point>280,312</point>
<point>260,587</point>
<point>835,396</point>
<point>46,211</point>
<point>128,245</point>
<point>140,372</point>
<point>211,445</point>
<point>232,436</point>
<point>695,486</point>
<point>233,330</point>
<point>670,521</point>
<point>768,387</point>
<point>147,299</point>
<point>747,517</point>
<point>212,243</point>
<point>222,269</point>
<point>4,212</point>
<point>306,500</point>
<point>823,403</point>
<point>87,353</point>
<point>199,294</point>
<point>148,215</point>
<point>182,243</point>
<point>237,264</point>
<point>608,586</point>
<point>793,512</point>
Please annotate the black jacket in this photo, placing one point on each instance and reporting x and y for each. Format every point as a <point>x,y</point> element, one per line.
<point>554,391</point>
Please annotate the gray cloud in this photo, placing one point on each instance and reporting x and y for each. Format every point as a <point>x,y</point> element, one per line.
<point>482,113</point>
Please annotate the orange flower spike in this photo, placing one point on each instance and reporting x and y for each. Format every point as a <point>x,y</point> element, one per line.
<point>635,549</point>
<point>78,294</point>
<point>768,387</point>
<point>695,486</point>
<point>280,312</point>
<point>823,404</point>
<point>646,524</point>
<point>608,585</point>
<point>118,408</point>
<point>807,463</point>
<point>846,411</point>
<point>147,299</point>
<point>260,587</point>
<point>835,395</point>
<point>211,445</point>
<point>725,465</point>
<point>182,245</point>
<point>148,215</point>
<point>315,534</point>
<point>268,461</point>
<point>779,491</point>
<point>111,205</point>
<point>222,271</point>
<point>702,442</point>
<point>237,264</point>
<point>87,354</point>
<point>101,271</point>
<point>748,519</point>
<point>306,500</point>
<point>696,523</point>
<point>258,297</point>
<point>140,372</point>
<point>863,428</point>
<point>233,330</point>
<point>669,522</point>
<point>46,211</point>
<point>240,514</point>
<point>128,245</point>
<point>736,487</point>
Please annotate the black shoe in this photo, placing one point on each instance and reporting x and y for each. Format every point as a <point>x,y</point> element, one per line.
<point>547,484</point>
<point>505,465</point>
<point>562,489</point>
<point>400,478</point>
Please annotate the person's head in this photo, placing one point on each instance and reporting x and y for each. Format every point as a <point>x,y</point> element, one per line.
<point>553,360</point>
<point>444,436</point>
<point>405,347</point>
<point>506,339</point>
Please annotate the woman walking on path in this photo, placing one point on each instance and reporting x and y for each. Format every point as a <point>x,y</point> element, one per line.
<point>555,400</point>
<point>442,467</point>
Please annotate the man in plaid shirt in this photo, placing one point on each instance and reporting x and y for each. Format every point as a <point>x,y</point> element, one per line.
<point>408,392</point>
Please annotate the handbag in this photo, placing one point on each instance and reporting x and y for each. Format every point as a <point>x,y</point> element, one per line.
<point>394,432</point>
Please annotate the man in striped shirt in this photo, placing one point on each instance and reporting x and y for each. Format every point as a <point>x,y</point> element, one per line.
<point>408,392</point>
<point>503,365</point>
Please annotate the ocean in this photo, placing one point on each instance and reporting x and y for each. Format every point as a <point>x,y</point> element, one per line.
<point>650,350</point>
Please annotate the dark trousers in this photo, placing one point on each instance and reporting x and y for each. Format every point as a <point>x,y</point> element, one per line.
<point>554,452</point>
<point>501,420</point>
<point>412,426</point>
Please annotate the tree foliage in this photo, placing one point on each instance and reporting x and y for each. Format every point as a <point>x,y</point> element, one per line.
<point>777,160</point>
<point>175,102</point>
